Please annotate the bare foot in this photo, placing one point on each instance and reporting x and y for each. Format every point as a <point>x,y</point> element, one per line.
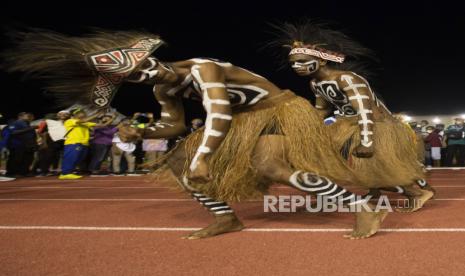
<point>428,187</point>
<point>416,202</point>
<point>366,223</point>
<point>223,224</point>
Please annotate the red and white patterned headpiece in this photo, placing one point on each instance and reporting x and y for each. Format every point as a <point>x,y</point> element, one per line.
<point>313,50</point>
<point>115,65</point>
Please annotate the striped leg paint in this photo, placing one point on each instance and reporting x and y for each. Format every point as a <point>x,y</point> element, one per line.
<point>322,186</point>
<point>215,207</point>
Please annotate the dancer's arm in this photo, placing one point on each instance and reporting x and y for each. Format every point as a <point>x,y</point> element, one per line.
<point>322,106</point>
<point>215,100</point>
<point>361,98</point>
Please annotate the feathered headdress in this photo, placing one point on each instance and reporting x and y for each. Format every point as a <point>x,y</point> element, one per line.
<point>86,69</point>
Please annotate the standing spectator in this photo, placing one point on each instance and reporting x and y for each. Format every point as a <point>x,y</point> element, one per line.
<point>101,144</point>
<point>76,142</point>
<point>433,143</point>
<point>141,120</point>
<point>52,132</point>
<point>195,124</point>
<point>423,125</point>
<point>456,143</point>
<point>4,135</point>
<point>22,145</point>
<point>120,149</point>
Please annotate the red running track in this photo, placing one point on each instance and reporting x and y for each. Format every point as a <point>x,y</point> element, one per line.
<point>131,226</point>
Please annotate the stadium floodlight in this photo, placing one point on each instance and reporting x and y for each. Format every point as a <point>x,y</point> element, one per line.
<point>407,118</point>
<point>436,120</point>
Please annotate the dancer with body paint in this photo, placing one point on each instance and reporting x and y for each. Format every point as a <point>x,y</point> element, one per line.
<point>373,142</point>
<point>255,133</point>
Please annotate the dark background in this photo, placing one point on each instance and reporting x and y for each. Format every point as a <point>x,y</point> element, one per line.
<point>420,45</point>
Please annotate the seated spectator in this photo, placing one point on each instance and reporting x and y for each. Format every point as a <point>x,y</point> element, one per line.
<point>433,144</point>
<point>101,144</point>
<point>120,149</point>
<point>22,144</point>
<point>455,143</point>
<point>76,141</point>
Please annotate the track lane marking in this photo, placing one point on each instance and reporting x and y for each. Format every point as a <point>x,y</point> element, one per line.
<point>157,199</point>
<point>182,229</point>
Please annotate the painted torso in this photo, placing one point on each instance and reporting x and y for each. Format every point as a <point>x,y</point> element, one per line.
<point>243,86</point>
<point>331,92</point>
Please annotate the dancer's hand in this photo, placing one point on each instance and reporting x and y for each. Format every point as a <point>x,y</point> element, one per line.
<point>363,152</point>
<point>200,173</point>
<point>129,134</point>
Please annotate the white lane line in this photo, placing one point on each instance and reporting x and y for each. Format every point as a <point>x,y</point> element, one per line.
<point>444,168</point>
<point>182,229</point>
<point>92,180</point>
<point>82,187</point>
<point>162,199</point>
<point>162,187</point>
<point>99,199</point>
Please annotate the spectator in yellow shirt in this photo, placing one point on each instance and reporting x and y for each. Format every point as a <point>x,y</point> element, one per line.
<point>76,141</point>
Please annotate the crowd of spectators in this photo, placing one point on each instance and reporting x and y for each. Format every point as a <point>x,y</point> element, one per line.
<point>443,146</point>
<point>70,144</point>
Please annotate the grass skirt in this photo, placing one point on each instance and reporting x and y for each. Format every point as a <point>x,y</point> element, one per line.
<point>308,147</point>
<point>395,159</point>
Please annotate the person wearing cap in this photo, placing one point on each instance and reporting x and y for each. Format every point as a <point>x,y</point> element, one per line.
<point>455,143</point>
<point>77,138</point>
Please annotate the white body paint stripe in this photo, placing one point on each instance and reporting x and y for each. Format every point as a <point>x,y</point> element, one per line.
<point>220,102</point>
<point>207,103</point>
<point>221,116</point>
<point>216,133</point>
<point>338,194</point>
<point>183,84</point>
<point>223,212</point>
<point>358,97</point>
<point>328,192</point>
<point>208,85</point>
<point>214,202</point>
<point>366,141</point>
<point>165,114</point>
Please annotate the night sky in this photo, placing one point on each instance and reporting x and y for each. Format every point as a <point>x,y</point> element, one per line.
<point>420,45</point>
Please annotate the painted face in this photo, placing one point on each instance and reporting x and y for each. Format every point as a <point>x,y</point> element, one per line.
<point>151,70</point>
<point>304,65</point>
